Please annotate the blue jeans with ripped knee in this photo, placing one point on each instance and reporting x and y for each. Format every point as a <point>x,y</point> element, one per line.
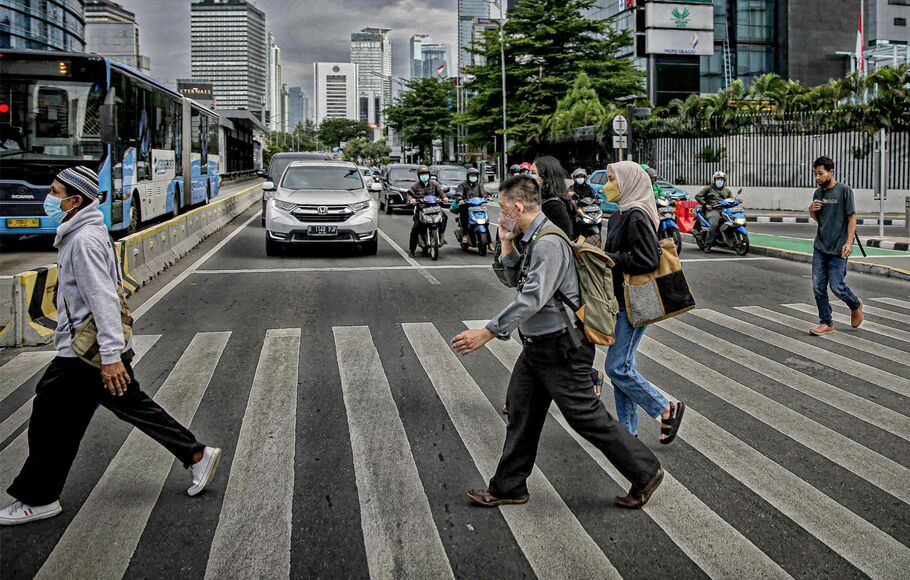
<point>630,389</point>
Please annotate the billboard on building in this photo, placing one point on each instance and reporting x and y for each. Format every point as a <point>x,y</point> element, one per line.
<point>200,91</point>
<point>679,42</point>
<point>679,16</point>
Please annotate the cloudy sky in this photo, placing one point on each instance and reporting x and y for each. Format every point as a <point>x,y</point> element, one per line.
<point>306,30</point>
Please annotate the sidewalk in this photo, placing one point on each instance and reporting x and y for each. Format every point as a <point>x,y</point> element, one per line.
<point>801,217</point>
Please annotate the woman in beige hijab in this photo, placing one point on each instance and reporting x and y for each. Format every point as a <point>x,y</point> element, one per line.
<point>633,246</point>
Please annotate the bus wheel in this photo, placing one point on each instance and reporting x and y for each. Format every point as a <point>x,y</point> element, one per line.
<point>135,217</point>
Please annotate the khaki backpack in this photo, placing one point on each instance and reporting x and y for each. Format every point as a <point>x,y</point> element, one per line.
<point>599,308</point>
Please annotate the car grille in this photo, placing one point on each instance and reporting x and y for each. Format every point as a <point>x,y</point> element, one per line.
<point>322,214</point>
<point>13,209</point>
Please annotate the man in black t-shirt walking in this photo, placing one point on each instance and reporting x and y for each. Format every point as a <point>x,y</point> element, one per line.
<point>832,207</point>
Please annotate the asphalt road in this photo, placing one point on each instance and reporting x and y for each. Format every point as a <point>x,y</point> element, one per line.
<point>351,432</point>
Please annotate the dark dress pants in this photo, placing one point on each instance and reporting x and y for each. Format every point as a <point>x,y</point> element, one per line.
<point>65,400</point>
<point>555,371</point>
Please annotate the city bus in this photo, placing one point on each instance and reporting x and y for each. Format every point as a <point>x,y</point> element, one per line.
<point>155,151</point>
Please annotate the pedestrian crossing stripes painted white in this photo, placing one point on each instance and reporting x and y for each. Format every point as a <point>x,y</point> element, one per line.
<point>893,302</point>
<point>253,532</point>
<point>20,369</point>
<point>13,455</point>
<point>881,312</point>
<point>551,537</point>
<point>257,500</point>
<point>399,534</point>
<point>717,547</point>
<point>97,545</point>
<point>868,325</point>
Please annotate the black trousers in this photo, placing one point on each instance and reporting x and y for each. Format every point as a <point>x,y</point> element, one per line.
<point>415,230</point>
<point>714,216</point>
<point>65,400</point>
<point>554,370</point>
<point>463,218</point>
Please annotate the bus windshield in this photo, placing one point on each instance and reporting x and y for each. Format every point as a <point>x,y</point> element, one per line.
<point>50,109</point>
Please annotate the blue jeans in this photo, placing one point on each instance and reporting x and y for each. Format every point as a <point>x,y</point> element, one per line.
<point>828,269</point>
<point>630,389</point>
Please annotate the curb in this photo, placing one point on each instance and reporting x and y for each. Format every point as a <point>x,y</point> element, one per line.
<point>852,265</point>
<point>764,219</point>
<point>142,256</point>
<point>887,245</point>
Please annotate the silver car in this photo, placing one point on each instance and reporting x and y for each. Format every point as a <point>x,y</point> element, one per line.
<point>321,202</point>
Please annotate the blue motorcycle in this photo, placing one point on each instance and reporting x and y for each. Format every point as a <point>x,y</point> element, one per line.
<point>731,232</point>
<point>478,233</point>
<point>668,228</point>
<point>429,216</point>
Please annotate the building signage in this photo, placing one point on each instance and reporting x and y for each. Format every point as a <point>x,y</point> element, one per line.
<point>202,92</point>
<point>679,42</point>
<point>679,16</point>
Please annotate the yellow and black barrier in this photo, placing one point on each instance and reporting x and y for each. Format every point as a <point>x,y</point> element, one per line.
<point>33,308</point>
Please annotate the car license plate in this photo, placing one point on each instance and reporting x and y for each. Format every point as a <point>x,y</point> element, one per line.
<point>592,209</point>
<point>322,231</point>
<point>30,223</point>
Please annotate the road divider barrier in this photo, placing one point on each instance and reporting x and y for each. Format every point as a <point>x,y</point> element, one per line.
<point>142,256</point>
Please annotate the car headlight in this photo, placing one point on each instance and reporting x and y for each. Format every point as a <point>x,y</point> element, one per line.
<point>361,206</point>
<point>739,221</point>
<point>285,205</point>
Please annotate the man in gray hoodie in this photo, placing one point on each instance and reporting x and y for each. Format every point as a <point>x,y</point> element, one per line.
<point>71,389</point>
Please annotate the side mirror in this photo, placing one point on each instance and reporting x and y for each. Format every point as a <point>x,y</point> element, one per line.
<point>268,186</point>
<point>375,186</point>
<point>108,130</point>
<point>261,173</point>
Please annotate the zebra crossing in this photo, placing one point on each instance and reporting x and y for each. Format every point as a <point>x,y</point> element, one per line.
<point>759,392</point>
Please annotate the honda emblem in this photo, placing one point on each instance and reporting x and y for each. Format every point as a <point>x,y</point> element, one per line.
<point>323,209</point>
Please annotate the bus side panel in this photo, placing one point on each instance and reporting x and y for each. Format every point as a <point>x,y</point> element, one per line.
<point>199,181</point>
<point>214,174</point>
<point>104,187</point>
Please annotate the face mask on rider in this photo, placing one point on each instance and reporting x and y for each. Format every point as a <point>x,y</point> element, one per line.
<point>472,179</point>
<point>719,184</point>
<point>580,180</point>
<point>424,178</point>
<point>611,192</point>
<point>509,223</point>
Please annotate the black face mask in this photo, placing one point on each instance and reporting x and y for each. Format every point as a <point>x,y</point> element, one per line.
<point>825,184</point>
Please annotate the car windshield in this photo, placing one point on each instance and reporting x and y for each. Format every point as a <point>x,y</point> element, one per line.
<point>322,178</point>
<point>52,109</point>
<point>407,174</point>
<point>453,174</point>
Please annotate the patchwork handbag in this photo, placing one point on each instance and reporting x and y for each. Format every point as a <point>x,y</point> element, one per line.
<point>661,294</point>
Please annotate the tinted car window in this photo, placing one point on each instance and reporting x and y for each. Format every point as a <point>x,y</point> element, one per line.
<point>406,174</point>
<point>279,162</point>
<point>277,166</point>
<point>322,178</point>
<point>598,178</point>
<point>452,173</point>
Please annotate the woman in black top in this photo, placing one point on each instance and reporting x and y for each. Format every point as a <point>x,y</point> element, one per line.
<point>632,244</point>
<point>555,203</point>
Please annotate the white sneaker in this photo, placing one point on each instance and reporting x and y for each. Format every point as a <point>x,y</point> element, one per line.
<point>204,471</point>
<point>22,513</point>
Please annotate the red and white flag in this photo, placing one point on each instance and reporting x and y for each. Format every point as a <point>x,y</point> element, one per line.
<point>441,69</point>
<point>860,52</point>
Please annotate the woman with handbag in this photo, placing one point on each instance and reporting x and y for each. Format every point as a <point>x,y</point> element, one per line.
<point>94,351</point>
<point>632,244</point>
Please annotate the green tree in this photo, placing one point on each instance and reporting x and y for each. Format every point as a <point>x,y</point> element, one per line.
<point>423,112</point>
<point>581,107</point>
<point>333,131</point>
<point>547,43</point>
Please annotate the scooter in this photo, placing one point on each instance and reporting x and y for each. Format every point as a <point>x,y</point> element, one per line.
<point>731,232</point>
<point>478,232</point>
<point>589,220</point>
<point>430,216</point>
<point>668,228</point>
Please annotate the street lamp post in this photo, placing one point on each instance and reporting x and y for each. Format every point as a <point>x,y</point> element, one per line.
<point>502,66</point>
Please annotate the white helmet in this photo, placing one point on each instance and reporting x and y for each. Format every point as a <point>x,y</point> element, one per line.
<point>719,175</point>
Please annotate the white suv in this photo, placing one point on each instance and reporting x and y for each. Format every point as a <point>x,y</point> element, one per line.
<point>321,202</point>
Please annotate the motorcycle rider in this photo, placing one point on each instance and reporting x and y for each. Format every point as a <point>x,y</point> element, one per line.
<point>658,190</point>
<point>514,170</point>
<point>422,188</point>
<point>709,197</point>
<point>466,190</point>
<point>581,188</point>
<point>524,168</point>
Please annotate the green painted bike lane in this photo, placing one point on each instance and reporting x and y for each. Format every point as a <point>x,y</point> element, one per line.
<point>890,258</point>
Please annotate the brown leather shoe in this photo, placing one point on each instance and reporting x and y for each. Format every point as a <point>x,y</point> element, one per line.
<point>485,498</point>
<point>821,330</point>
<point>637,498</point>
<point>856,316</point>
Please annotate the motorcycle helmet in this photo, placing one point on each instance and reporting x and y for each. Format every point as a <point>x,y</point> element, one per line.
<point>524,168</point>
<point>473,171</point>
<point>423,169</point>
<point>514,169</point>
<point>652,173</point>
<point>580,172</point>
<point>719,175</point>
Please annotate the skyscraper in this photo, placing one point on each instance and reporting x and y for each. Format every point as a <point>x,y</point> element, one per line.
<point>429,59</point>
<point>468,10</point>
<point>335,90</point>
<point>228,48</point>
<point>45,25</point>
<point>371,51</point>
<point>273,118</point>
<point>415,51</point>
<point>111,31</point>
<point>297,107</point>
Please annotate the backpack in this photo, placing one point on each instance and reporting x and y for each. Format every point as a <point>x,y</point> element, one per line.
<point>599,307</point>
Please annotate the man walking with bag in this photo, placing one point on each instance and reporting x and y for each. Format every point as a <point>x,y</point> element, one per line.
<point>89,372</point>
<point>556,359</point>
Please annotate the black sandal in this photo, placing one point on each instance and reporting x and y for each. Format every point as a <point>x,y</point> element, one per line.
<point>670,427</point>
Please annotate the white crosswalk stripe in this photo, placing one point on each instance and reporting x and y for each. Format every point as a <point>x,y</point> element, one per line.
<point>881,312</point>
<point>96,545</point>
<point>868,325</point>
<point>23,367</point>
<point>253,533</point>
<point>257,500</point>
<point>893,302</point>
<point>716,546</point>
<point>399,534</point>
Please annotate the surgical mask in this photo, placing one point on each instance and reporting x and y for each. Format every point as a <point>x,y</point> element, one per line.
<point>424,178</point>
<point>53,209</point>
<point>719,184</point>
<point>472,179</point>
<point>611,192</point>
<point>580,180</point>
<point>508,223</point>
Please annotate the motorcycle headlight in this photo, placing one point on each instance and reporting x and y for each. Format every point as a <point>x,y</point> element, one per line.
<point>361,206</point>
<point>739,221</point>
<point>285,205</point>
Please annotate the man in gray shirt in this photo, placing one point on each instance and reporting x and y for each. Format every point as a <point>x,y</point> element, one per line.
<point>555,361</point>
<point>832,207</point>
